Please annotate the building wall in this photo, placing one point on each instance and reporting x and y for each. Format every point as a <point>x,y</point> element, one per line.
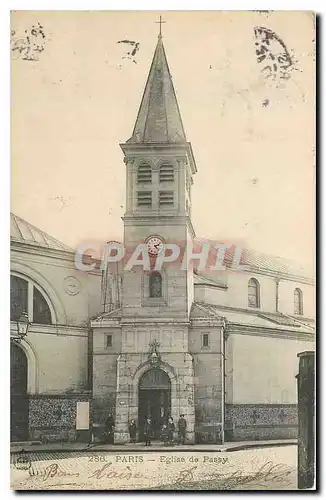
<point>136,300</point>
<point>236,294</point>
<point>264,369</point>
<point>53,417</point>
<point>207,381</point>
<point>261,388</point>
<point>53,274</point>
<point>104,372</point>
<point>57,354</point>
<point>67,351</point>
<point>286,298</point>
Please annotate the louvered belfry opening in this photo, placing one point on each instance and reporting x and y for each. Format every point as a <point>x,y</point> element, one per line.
<point>166,198</point>
<point>144,199</point>
<point>144,174</point>
<point>166,173</point>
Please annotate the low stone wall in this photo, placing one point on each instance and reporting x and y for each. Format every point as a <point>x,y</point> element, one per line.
<point>53,417</point>
<point>261,422</point>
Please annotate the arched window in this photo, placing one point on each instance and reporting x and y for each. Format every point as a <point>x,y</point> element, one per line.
<point>41,310</point>
<point>298,303</point>
<point>253,293</point>
<point>18,297</point>
<point>155,285</point>
<point>144,174</point>
<point>25,297</point>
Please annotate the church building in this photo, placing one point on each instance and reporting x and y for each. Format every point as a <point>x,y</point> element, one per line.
<point>219,347</point>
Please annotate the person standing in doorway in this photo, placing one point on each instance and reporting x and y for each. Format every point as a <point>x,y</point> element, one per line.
<point>148,431</point>
<point>165,434</point>
<point>171,430</point>
<point>132,431</point>
<point>110,428</point>
<point>182,428</point>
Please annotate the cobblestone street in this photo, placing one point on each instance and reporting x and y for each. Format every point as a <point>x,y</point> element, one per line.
<point>266,468</point>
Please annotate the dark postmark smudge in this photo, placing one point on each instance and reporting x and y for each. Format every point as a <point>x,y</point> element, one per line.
<point>30,45</point>
<point>22,461</point>
<point>134,47</point>
<point>272,54</point>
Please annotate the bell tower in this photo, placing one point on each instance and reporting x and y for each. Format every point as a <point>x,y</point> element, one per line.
<point>160,167</point>
<point>156,303</point>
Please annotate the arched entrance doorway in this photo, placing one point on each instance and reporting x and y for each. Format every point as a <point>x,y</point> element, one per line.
<point>19,397</point>
<point>154,400</point>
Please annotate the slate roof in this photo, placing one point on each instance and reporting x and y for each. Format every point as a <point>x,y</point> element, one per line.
<point>114,314</point>
<point>159,119</point>
<point>260,261</point>
<point>23,232</point>
<point>277,321</point>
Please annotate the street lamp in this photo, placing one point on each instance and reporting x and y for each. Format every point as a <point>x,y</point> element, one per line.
<point>23,325</point>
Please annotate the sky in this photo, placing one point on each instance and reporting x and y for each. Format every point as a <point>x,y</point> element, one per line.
<point>253,138</point>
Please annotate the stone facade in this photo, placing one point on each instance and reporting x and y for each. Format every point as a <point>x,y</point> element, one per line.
<point>179,368</point>
<point>261,422</point>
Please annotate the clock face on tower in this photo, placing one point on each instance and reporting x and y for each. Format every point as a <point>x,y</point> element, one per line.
<point>154,245</point>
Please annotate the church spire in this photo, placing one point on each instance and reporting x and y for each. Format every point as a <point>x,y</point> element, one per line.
<point>159,119</point>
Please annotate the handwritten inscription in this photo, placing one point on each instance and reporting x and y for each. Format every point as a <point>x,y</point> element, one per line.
<point>269,475</point>
<point>209,471</point>
<point>272,54</point>
<point>51,471</point>
<point>106,472</point>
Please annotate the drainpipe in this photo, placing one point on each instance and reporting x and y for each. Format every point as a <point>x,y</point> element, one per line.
<point>90,381</point>
<point>277,293</point>
<point>222,382</point>
<point>90,360</point>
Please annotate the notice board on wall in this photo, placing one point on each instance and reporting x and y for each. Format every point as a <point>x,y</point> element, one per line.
<point>82,415</point>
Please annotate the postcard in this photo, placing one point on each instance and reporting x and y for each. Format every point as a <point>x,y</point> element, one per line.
<point>162,282</point>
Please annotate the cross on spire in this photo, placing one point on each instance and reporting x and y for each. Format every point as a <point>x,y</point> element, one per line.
<point>154,345</point>
<point>160,22</point>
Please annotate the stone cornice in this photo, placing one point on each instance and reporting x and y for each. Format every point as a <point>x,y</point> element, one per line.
<point>153,322</point>
<point>212,285</point>
<point>64,330</point>
<point>29,247</point>
<point>60,395</point>
<point>199,322</point>
<point>159,220</point>
<point>20,250</point>
<point>175,149</point>
<point>106,323</point>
